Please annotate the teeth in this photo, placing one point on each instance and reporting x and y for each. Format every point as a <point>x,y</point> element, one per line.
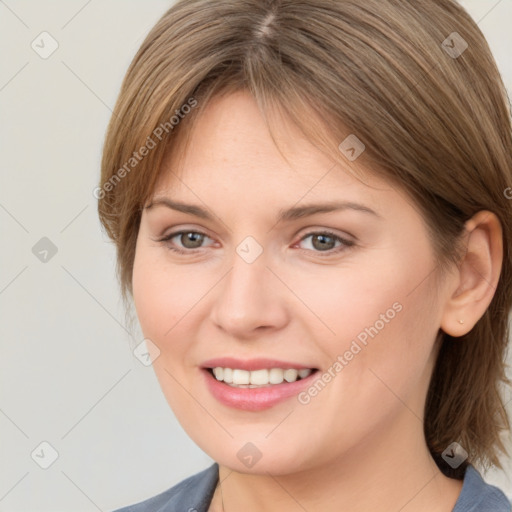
<point>241,376</point>
<point>276,376</point>
<point>290,375</point>
<point>257,378</point>
<point>228,375</point>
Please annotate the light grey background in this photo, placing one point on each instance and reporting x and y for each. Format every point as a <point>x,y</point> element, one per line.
<point>67,372</point>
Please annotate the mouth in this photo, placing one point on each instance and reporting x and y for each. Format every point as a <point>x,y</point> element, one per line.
<point>266,377</point>
<point>255,385</point>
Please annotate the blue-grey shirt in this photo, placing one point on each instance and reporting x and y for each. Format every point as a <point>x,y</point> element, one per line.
<point>195,493</point>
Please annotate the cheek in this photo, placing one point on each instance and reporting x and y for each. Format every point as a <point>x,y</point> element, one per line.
<point>395,361</point>
<point>168,298</point>
<point>160,298</point>
<point>353,296</point>
<point>158,309</point>
<point>379,316</point>
<point>163,302</point>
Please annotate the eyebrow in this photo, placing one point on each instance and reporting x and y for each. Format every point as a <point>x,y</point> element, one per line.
<point>286,215</point>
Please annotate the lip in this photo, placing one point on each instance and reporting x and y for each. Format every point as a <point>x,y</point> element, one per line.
<point>252,364</point>
<point>255,399</point>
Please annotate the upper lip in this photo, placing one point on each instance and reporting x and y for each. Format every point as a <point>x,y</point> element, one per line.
<point>252,364</point>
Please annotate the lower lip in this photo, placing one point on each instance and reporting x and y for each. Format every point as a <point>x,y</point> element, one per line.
<point>254,399</point>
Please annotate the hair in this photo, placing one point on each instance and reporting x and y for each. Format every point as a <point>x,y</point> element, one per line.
<point>434,122</point>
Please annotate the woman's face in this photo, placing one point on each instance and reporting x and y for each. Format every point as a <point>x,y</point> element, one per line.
<point>264,282</point>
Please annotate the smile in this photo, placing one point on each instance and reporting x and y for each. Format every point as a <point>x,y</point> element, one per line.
<point>260,384</point>
<point>236,377</point>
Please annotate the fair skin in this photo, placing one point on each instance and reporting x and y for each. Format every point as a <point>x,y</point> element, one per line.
<point>358,444</point>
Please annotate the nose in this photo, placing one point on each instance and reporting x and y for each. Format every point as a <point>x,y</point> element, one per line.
<point>249,300</point>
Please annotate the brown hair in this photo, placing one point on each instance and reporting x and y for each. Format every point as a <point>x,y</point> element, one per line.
<point>432,113</point>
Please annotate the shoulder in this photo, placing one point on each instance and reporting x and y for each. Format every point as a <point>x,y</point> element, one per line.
<point>479,496</point>
<point>193,494</point>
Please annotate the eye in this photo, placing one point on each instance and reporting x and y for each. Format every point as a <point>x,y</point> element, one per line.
<point>325,242</point>
<point>189,241</point>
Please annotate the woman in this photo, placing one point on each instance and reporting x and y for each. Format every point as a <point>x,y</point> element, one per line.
<point>309,202</point>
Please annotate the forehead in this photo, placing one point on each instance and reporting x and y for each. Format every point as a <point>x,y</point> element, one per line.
<point>230,150</point>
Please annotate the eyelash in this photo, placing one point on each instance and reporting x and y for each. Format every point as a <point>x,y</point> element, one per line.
<point>346,244</point>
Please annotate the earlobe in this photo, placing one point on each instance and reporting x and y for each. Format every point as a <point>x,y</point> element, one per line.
<point>477,275</point>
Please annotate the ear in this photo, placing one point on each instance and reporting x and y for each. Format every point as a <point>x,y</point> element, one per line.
<point>477,275</point>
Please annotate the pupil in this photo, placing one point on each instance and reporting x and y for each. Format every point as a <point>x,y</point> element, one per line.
<point>193,237</point>
<point>323,239</point>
